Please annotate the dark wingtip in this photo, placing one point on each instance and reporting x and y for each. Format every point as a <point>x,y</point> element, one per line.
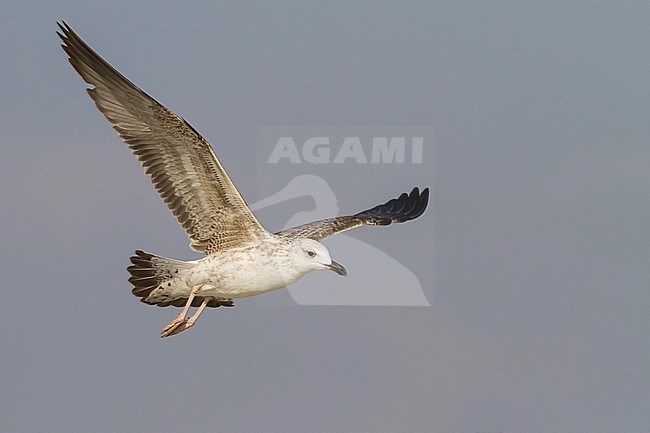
<point>406,207</point>
<point>65,29</point>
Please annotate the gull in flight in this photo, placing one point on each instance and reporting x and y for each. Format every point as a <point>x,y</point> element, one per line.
<point>242,259</point>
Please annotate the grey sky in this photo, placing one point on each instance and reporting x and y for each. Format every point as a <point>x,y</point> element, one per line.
<point>540,321</point>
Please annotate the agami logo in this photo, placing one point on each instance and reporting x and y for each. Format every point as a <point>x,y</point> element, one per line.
<point>320,150</point>
<point>326,170</point>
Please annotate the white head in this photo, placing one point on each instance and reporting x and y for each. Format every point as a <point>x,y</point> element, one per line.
<point>309,255</point>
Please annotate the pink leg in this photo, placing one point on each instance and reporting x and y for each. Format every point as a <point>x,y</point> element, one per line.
<point>192,320</point>
<point>188,323</point>
<point>182,316</point>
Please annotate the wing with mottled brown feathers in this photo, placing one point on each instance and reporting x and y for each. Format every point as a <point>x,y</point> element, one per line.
<point>182,165</point>
<point>404,208</point>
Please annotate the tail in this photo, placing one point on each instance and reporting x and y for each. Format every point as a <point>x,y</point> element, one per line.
<point>161,281</point>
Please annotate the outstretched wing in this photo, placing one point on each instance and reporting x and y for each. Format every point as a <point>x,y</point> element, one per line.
<point>404,208</point>
<point>182,165</point>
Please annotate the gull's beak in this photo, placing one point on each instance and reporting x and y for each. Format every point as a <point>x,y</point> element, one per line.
<point>338,268</point>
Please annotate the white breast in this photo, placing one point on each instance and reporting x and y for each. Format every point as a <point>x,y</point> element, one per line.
<point>240,273</point>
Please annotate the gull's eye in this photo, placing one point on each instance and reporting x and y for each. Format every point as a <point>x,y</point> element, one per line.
<point>311,253</point>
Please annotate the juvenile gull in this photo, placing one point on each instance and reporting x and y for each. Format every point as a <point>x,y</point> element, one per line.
<point>241,258</point>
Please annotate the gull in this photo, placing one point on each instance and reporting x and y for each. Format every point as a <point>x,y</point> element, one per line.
<point>242,258</point>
